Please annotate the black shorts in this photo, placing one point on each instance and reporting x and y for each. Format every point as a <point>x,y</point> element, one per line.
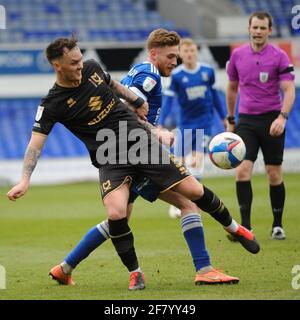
<point>254,130</point>
<point>165,176</point>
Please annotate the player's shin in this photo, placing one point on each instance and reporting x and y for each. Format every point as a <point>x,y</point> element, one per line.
<point>211,204</point>
<point>193,232</point>
<point>122,239</point>
<point>277,197</point>
<point>92,240</point>
<point>245,196</point>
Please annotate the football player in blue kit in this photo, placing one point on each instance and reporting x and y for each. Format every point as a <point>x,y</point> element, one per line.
<point>144,79</point>
<point>192,83</point>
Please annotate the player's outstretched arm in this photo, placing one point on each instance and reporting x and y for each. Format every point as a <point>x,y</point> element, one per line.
<point>31,157</point>
<point>141,106</point>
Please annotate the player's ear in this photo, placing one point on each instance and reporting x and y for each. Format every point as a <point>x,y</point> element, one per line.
<point>270,31</point>
<point>56,65</point>
<point>153,53</point>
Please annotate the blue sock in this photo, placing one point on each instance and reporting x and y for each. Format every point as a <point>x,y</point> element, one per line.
<point>92,240</point>
<point>193,232</point>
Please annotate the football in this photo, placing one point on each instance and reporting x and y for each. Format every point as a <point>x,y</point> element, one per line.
<point>227,150</point>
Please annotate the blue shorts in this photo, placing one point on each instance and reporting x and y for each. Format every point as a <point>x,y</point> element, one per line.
<point>145,188</point>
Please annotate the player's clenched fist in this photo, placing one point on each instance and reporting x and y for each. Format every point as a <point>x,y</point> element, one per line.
<point>17,191</point>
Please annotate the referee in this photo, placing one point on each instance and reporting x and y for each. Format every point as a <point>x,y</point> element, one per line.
<point>259,70</point>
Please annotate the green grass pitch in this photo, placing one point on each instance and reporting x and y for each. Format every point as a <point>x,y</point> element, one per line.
<point>38,231</point>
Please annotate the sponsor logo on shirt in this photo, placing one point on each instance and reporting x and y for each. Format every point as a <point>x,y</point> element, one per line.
<point>149,84</point>
<point>103,113</point>
<point>196,92</point>
<point>263,77</point>
<point>95,103</point>
<point>39,113</point>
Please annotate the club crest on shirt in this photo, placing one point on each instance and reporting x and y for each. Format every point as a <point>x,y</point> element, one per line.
<point>263,77</point>
<point>204,76</point>
<point>149,84</point>
<point>39,113</point>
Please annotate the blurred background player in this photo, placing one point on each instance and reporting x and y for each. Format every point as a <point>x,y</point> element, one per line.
<point>144,79</point>
<point>259,70</point>
<point>192,83</point>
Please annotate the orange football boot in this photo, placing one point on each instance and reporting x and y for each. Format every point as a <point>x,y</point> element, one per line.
<point>214,277</point>
<point>137,281</point>
<point>246,238</point>
<point>58,274</point>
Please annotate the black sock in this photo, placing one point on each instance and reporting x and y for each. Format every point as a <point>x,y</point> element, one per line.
<point>122,238</point>
<point>211,204</point>
<point>277,196</point>
<point>245,196</point>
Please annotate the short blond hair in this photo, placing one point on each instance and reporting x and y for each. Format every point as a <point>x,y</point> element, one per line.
<point>160,38</point>
<point>187,41</point>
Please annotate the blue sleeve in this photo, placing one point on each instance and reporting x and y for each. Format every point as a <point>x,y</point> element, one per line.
<point>165,110</point>
<point>146,83</point>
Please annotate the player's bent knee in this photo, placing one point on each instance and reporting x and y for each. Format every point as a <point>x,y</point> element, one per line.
<point>190,188</point>
<point>115,210</point>
<point>187,206</point>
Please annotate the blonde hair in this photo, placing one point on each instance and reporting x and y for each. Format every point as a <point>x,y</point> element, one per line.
<point>160,38</point>
<point>187,41</point>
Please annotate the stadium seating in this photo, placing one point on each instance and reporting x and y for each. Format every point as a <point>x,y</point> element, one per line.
<point>16,120</point>
<point>91,20</point>
<point>281,10</point>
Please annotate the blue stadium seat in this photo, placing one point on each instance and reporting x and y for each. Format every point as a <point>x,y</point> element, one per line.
<point>34,17</point>
<point>16,120</point>
<point>279,9</point>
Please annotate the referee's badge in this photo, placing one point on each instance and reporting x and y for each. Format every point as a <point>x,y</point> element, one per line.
<point>263,77</point>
